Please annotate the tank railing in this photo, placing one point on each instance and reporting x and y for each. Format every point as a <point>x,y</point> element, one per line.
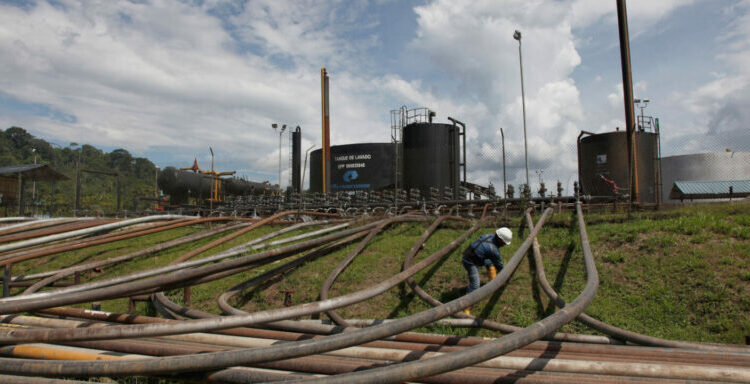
<point>646,123</point>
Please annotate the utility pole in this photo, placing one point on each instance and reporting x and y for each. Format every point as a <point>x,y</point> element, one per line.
<point>517,36</point>
<point>505,188</point>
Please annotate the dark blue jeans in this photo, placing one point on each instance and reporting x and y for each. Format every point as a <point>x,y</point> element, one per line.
<point>473,273</point>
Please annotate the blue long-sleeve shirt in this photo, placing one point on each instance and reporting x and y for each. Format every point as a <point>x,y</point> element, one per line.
<point>484,252</point>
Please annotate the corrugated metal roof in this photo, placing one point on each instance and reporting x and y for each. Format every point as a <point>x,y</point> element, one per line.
<point>709,189</point>
<point>19,168</point>
<point>42,172</point>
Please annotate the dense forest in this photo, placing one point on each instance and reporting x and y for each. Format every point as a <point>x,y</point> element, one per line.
<point>98,191</point>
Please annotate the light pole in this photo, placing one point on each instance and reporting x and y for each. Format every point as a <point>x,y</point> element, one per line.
<point>517,36</point>
<point>505,187</point>
<point>281,131</point>
<point>642,104</point>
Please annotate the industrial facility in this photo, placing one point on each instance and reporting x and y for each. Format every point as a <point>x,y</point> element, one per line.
<point>361,278</point>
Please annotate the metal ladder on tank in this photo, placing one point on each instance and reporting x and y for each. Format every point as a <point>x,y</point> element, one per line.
<point>651,124</point>
<point>398,122</point>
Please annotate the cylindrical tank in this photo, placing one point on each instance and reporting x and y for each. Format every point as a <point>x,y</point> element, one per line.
<point>180,185</point>
<point>606,156</point>
<point>716,166</point>
<point>365,166</point>
<point>431,157</point>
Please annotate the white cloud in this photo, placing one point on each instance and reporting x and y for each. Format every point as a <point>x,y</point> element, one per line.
<point>720,116</point>
<point>642,14</point>
<point>174,76</point>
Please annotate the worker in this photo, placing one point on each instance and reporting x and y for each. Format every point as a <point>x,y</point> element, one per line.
<point>485,252</point>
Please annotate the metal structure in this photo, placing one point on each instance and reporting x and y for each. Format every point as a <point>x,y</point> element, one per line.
<point>627,90</point>
<point>13,182</point>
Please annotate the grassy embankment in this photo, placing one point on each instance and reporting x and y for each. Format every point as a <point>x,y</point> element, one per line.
<point>678,274</point>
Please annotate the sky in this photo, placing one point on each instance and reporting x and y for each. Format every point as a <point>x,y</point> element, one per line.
<point>166,79</point>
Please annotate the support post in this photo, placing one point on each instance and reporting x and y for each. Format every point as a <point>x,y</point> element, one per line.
<point>119,193</point>
<point>77,205</point>
<point>20,195</point>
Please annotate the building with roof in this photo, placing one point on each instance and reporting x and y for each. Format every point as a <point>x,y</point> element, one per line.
<point>703,167</point>
<point>15,178</point>
<point>697,190</point>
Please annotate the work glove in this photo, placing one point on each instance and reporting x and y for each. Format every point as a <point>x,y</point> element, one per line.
<point>492,272</point>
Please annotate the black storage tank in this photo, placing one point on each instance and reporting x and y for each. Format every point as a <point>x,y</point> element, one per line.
<point>606,155</point>
<point>296,157</point>
<point>431,157</point>
<point>355,167</point>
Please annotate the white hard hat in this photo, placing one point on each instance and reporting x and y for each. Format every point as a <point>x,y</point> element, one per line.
<point>504,234</point>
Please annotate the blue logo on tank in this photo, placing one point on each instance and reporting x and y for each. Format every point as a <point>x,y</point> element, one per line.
<point>350,176</point>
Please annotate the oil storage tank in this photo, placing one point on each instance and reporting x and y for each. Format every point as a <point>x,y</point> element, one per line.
<point>603,160</point>
<point>355,167</point>
<point>714,166</point>
<point>431,157</point>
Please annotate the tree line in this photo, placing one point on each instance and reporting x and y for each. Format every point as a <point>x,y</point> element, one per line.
<point>98,193</point>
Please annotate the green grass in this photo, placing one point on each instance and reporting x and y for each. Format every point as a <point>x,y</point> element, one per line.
<point>677,274</point>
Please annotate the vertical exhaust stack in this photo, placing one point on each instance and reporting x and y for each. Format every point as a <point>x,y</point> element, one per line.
<point>627,87</point>
<point>326,179</point>
<point>296,159</point>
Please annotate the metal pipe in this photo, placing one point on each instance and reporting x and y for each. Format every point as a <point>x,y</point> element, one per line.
<point>32,223</point>
<point>88,231</point>
<point>161,279</point>
<point>50,230</point>
<point>495,326</point>
<point>343,264</point>
<point>627,89</point>
<point>302,236</point>
<point>287,350</point>
<point>412,370</point>
<point>52,276</point>
<point>9,379</point>
<point>421,341</point>
<point>239,233</point>
<point>103,239</point>
<point>619,333</point>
